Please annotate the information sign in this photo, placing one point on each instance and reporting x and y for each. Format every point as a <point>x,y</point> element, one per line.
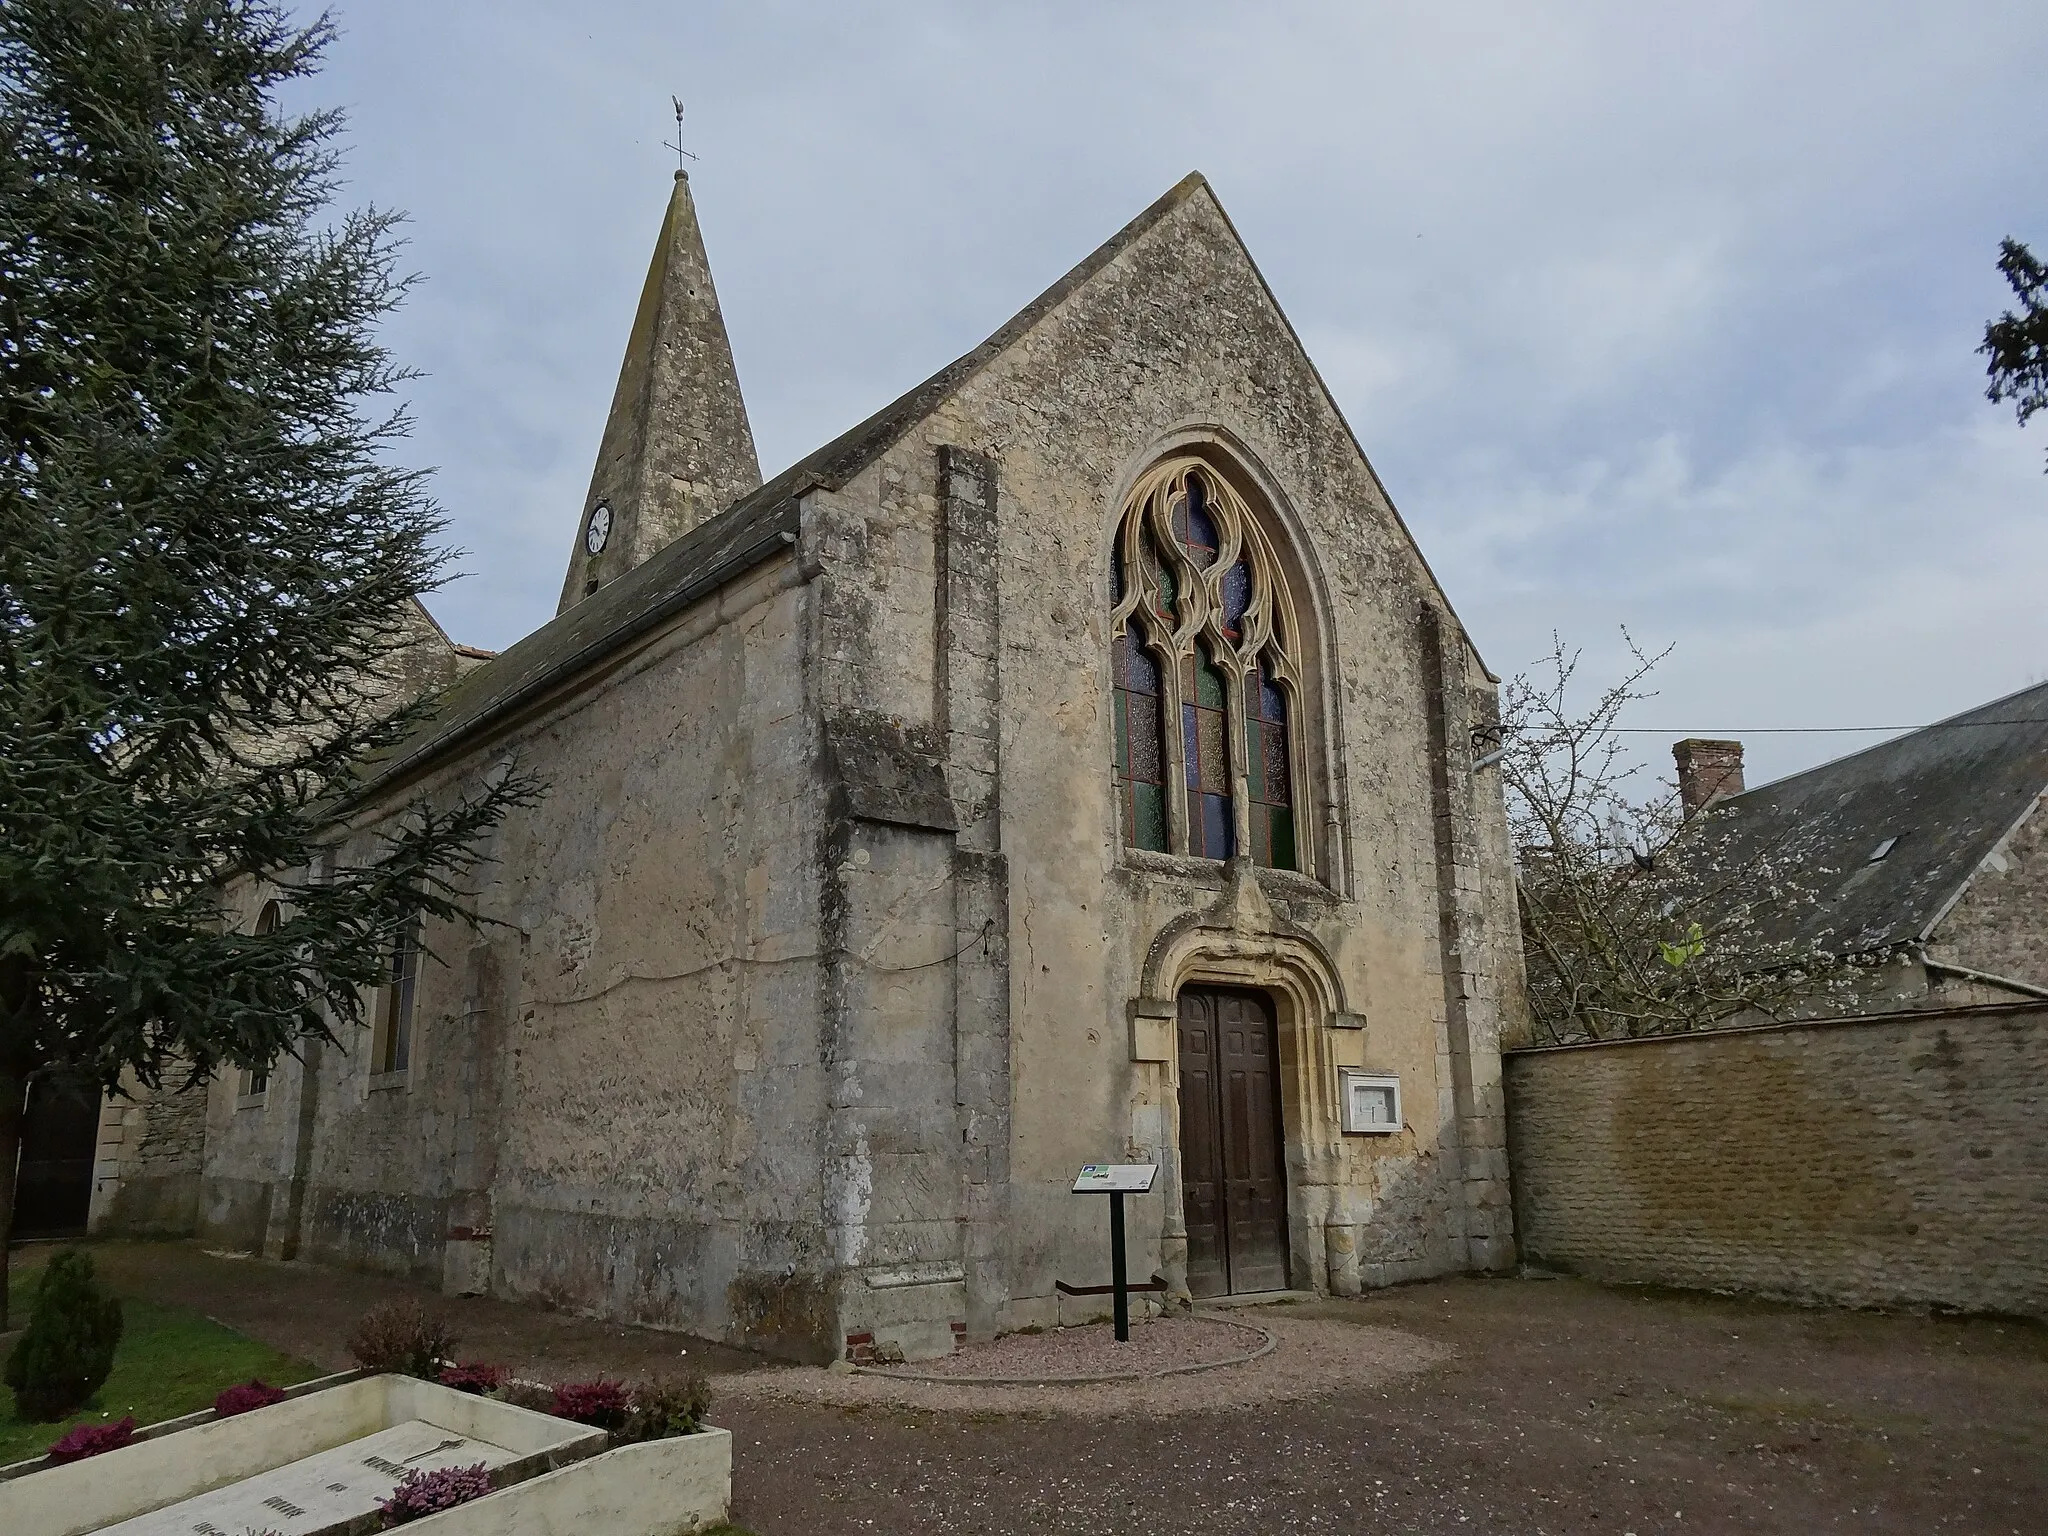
<point>1114,1179</point>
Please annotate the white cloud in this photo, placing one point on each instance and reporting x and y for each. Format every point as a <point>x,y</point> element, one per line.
<point>1648,313</point>
<point>1881,585</point>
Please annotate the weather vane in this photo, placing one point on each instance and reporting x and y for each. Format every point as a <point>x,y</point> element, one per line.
<point>682,154</point>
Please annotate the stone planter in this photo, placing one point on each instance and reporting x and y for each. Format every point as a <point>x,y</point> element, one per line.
<point>655,1488</point>
<point>317,1464</point>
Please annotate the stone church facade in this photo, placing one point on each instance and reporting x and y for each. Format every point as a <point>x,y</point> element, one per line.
<point>1072,763</point>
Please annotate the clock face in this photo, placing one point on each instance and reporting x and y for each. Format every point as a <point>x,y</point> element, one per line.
<point>599,528</point>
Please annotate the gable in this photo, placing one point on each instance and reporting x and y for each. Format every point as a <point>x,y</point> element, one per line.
<point>1143,286</point>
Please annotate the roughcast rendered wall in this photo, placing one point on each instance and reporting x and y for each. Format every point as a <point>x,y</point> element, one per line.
<point>1886,1161</point>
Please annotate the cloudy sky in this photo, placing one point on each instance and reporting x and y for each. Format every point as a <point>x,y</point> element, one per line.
<point>1649,315</point>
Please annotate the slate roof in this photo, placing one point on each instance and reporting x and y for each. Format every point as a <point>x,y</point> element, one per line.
<point>748,532</point>
<point>1948,793</point>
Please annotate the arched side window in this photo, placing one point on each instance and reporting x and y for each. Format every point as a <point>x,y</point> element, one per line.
<point>391,1036</point>
<point>255,1084</point>
<point>1200,624</point>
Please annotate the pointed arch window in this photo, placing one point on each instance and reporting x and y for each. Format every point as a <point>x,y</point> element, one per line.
<point>253,1083</point>
<point>391,1036</point>
<point>1201,624</point>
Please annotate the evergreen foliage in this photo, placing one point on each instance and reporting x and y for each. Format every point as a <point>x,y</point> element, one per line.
<point>2017,341</point>
<point>206,555</point>
<point>68,1348</point>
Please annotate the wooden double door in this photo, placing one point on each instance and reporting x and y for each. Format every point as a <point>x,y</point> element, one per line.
<point>1233,1175</point>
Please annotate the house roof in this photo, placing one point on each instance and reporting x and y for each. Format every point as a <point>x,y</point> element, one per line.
<point>1887,838</point>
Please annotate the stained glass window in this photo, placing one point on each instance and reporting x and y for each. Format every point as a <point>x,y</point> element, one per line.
<point>1206,641</point>
<point>1194,525</point>
<point>1272,786</point>
<point>1237,597</point>
<point>1206,743</point>
<point>1140,741</point>
<point>1167,601</point>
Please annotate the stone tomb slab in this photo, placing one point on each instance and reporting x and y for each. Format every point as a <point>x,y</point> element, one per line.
<point>319,1493</point>
<point>320,1461</point>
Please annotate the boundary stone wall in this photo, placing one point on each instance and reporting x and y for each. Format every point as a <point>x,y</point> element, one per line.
<point>1890,1160</point>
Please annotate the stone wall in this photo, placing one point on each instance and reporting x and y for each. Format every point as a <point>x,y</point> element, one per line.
<point>2000,925</point>
<point>147,1170</point>
<point>1398,949</point>
<point>1884,1161</point>
<point>614,1085</point>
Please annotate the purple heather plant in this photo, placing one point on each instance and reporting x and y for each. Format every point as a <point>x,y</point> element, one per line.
<point>92,1439</point>
<point>471,1376</point>
<point>250,1394</point>
<point>422,1493</point>
<point>603,1404</point>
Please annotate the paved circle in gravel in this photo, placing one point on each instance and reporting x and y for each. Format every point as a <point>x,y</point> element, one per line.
<point>1311,1357</point>
<point>1161,1347</point>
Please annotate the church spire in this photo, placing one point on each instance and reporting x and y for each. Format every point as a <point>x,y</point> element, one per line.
<point>677,448</point>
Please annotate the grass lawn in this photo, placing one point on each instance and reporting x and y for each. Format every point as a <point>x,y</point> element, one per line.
<point>170,1362</point>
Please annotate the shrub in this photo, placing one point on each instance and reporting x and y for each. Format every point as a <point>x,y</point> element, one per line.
<point>664,1408</point>
<point>402,1336</point>
<point>602,1404</point>
<point>91,1439</point>
<point>527,1394</point>
<point>472,1377</point>
<point>250,1394</point>
<point>68,1349</point>
<point>421,1492</point>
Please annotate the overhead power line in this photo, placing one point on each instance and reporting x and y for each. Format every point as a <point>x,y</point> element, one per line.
<point>1812,730</point>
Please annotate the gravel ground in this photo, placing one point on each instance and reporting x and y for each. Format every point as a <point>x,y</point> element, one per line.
<point>1549,1408</point>
<point>1153,1348</point>
<point>1313,1357</point>
<point>1537,1408</point>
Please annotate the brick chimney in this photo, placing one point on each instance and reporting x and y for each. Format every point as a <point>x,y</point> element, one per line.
<point>1707,771</point>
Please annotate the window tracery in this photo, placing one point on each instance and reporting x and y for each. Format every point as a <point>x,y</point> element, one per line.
<point>1200,625</point>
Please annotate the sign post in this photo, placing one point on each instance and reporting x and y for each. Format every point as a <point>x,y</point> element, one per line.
<point>1117,1180</point>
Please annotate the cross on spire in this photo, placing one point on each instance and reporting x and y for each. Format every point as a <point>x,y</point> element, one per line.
<point>682,154</point>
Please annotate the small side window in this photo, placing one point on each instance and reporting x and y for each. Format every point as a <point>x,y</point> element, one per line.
<point>252,1085</point>
<point>391,1042</point>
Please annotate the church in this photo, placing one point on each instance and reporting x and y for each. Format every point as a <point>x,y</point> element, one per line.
<point>1072,763</point>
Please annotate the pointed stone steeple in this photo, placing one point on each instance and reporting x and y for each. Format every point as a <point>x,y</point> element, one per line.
<point>677,448</point>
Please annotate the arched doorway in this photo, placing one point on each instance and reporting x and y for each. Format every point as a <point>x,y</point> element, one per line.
<point>1233,1172</point>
